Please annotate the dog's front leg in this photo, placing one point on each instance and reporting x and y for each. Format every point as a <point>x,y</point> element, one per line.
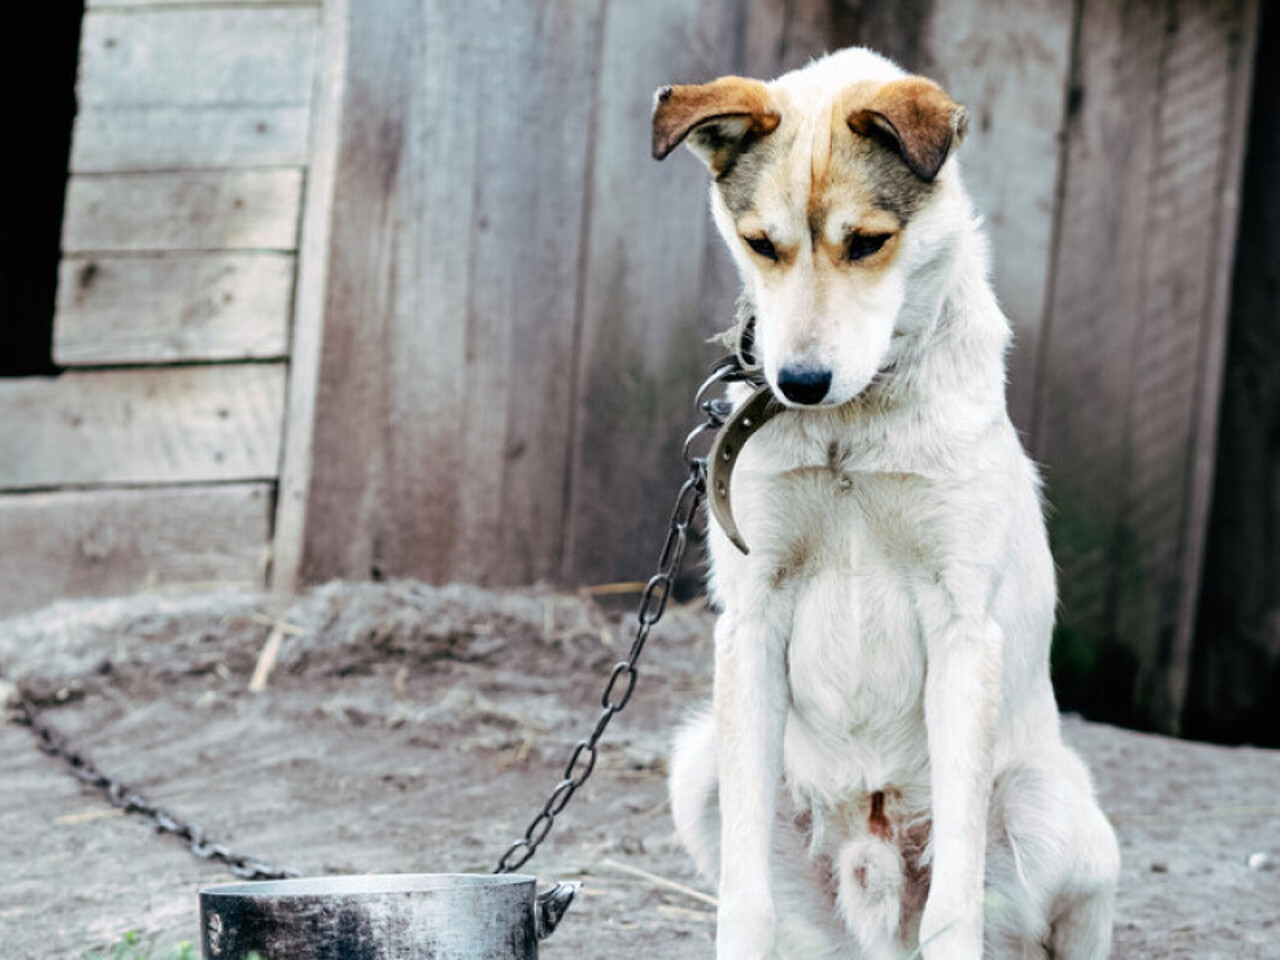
<point>750,713</point>
<point>962,702</point>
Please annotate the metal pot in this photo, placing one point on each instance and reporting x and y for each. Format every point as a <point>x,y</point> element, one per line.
<point>412,916</point>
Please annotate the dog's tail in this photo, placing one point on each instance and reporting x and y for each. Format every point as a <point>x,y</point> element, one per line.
<point>694,785</point>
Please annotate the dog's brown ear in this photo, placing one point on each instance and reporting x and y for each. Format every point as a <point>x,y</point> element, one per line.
<point>916,118</point>
<point>720,119</point>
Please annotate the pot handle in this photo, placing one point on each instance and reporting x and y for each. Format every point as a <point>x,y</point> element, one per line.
<point>550,907</point>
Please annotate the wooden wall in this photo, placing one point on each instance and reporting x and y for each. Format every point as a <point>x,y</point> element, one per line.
<point>1127,401</point>
<point>488,345</point>
<point>153,458</point>
<point>519,297</point>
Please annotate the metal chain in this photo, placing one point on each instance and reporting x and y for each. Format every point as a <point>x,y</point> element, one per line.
<point>653,603</point>
<point>582,761</point>
<point>53,743</point>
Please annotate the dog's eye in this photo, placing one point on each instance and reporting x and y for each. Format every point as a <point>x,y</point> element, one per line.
<point>863,245</point>
<point>762,246</point>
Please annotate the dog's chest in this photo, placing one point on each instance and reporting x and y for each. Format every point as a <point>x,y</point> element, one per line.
<point>846,553</point>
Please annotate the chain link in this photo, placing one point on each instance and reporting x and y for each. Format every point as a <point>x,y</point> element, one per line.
<point>653,604</point>
<point>53,743</point>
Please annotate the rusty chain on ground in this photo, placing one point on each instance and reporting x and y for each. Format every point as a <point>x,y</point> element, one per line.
<point>118,794</point>
<point>582,761</point>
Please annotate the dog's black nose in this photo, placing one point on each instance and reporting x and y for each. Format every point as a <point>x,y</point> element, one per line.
<point>807,385</point>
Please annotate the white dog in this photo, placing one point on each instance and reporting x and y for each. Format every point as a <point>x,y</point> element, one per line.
<point>882,769</point>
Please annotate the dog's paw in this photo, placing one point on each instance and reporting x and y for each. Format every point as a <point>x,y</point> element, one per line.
<point>746,932</point>
<point>950,934</point>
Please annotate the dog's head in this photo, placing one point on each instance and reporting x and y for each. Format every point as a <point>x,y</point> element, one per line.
<point>823,182</point>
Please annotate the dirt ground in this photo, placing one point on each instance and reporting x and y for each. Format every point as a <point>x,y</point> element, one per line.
<point>409,728</point>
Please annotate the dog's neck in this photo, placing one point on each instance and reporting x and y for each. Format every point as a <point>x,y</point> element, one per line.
<point>951,337</point>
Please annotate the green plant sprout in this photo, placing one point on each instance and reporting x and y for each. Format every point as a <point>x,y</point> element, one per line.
<point>134,946</point>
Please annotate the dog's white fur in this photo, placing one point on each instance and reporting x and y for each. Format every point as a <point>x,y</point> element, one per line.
<point>886,641</point>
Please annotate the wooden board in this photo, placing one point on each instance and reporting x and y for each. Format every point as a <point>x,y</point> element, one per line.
<point>92,543</point>
<point>147,4</point>
<point>1152,164</point>
<point>166,425</point>
<point>443,400</point>
<point>1083,393</point>
<point>183,137</point>
<point>312,289</point>
<point>177,88</point>
<point>190,56</point>
<point>1210,65</point>
<point>232,306</point>
<point>234,210</point>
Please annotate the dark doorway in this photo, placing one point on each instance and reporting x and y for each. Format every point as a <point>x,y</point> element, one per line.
<point>42,99</point>
<point>1234,694</point>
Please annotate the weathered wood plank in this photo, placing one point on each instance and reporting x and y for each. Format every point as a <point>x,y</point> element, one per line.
<point>174,425</point>
<point>452,291</point>
<point>233,210</point>
<point>230,306</point>
<point>296,464</point>
<point>1136,273</point>
<point>145,5</point>
<point>1082,408</point>
<point>190,56</point>
<point>524,296</point>
<point>184,137</point>
<point>92,543</point>
<point>178,88</point>
<point>1084,388</point>
<point>1209,64</point>
<point>645,314</point>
